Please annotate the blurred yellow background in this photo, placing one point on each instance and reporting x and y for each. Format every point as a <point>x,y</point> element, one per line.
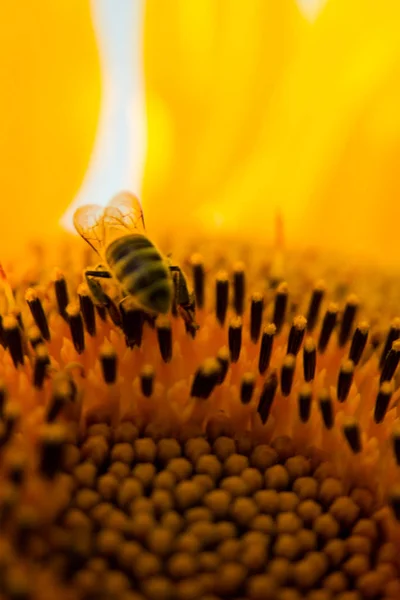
<point>49,110</point>
<point>250,109</point>
<point>266,110</point>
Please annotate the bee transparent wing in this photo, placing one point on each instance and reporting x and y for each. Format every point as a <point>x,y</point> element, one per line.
<point>124,212</point>
<point>89,223</point>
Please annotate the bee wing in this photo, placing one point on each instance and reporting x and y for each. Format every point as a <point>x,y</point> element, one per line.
<point>89,223</point>
<point>124,212</point>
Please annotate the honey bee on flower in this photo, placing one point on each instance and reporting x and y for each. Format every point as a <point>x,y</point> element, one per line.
<point>117,233</point>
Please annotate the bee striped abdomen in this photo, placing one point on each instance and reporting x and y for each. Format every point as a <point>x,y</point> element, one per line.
<point>142,272</point>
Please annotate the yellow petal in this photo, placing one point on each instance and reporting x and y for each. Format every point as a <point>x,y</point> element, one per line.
<point>211,69</point>
<point>49,107</point>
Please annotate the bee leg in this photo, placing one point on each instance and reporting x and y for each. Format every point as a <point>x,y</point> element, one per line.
<point>184,301</point>
<point>100,295</point>
<point>100,272</point>
<point>182,296</point>
<point>95,286</point>
<point>113,311</point>
<point>188,315</point>
<point>179,290</point>
<point>174,306</point>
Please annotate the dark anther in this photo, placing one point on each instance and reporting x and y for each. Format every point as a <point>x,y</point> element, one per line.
<point>296,335</point>
<point>221,297</point>
<point>108,361</point>
<point>281,300</point>
<point>348,317</point>
<point>164,336</point>
<point>52,441</point>
<point>198,279</point>
<point>37,311</point>
<point>132,323</point>
<point>267,341</point>
<point>235,338</point>
<point>382,401</point>
<point>394,501</point>
<point>63,394</point>
<point>287,373</point>
<point>147,380</point>
<point>325,405</point>
<point>13,337</point>
<point>396,445</point>
<point>392,336</point>
<point>328,325</point>
<point>391,362</point>
<point>345,380</point>
<point>247,388</point>
<point>267,396</point>
<point>309,359</point>
<point>315,305</point>
<point>239,288</point>
<point>61,290</point>
<point>351,430</point>
<point>305,397</point>
<point>205,379</point>
<point>42,361</point>
<point>358,342</point>
<point>87,309</point>
<point>223,359</point>
<point>256,315</point>
<point>76,327</point>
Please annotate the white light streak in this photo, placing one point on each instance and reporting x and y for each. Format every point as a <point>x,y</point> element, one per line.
<point>117,159</point>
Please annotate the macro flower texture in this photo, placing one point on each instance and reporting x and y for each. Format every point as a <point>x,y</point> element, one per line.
<point>250,448</point>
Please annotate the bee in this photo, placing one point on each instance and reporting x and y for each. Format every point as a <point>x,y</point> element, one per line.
<point>118,234</point>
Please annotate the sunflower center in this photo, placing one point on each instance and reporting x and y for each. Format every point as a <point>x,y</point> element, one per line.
<point>211,516</point>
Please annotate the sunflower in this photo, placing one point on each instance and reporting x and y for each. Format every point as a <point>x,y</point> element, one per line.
<point>258,456</point>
